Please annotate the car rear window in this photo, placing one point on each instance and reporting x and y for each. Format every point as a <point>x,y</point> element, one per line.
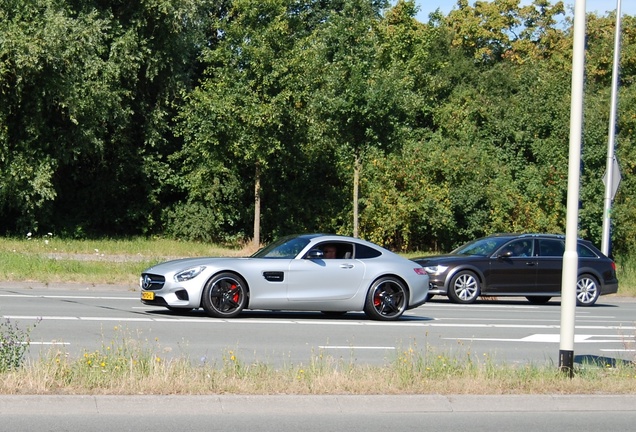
<point>585,252</point>
<point>363,252</point>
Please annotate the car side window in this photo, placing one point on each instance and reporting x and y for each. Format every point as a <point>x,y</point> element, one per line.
<point>584,251</point>
<point>363,251</point>
<point>551,248</point>
<point>519,248</point>
<point>336,250</point>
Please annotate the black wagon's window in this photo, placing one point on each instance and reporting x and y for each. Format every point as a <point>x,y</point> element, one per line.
<point>584,251</point>
<point>551,248</point>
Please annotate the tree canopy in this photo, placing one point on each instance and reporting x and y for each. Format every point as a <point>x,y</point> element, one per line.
<point>237,120</point>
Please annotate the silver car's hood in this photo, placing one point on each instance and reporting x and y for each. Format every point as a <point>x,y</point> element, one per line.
<point>184,263</point>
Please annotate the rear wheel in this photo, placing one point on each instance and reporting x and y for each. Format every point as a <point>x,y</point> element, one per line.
<point>538,299</point>
<point>387,299</point>
<point>464,288</point>
<point>224,296</point>
<point>587,290</point>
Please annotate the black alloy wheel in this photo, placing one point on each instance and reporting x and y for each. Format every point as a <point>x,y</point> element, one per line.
<point>224,296</point>
<point>387,299</point>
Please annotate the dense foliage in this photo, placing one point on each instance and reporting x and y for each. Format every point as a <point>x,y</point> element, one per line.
<point>224,120</point>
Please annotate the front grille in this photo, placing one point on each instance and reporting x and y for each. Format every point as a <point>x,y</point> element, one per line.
<point>150,282</point>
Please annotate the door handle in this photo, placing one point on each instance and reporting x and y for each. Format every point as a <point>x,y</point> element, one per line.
<point>346,266</point>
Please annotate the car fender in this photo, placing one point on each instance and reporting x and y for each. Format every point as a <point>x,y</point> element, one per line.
<point>464,267</point>
<point>591,271</point>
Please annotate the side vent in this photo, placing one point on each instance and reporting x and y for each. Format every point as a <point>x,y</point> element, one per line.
<point>274,276</point>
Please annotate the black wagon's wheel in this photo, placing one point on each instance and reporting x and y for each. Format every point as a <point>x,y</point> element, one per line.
<point>387,299</point>
<point>224,296</point>
<point>464,288</point>
<point>587,290</point>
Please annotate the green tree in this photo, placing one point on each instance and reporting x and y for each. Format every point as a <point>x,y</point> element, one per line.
<point>243,115</point>
<point>88,94</point>
<point>361,102</point>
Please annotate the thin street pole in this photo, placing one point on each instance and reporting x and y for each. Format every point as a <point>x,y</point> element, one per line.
<point>570,257</point>
<point>609,171</point>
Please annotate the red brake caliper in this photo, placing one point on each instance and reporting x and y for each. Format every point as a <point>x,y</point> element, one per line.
<point>235,296</point>
<point>377,299</point>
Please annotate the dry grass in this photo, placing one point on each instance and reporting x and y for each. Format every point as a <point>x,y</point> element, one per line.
<point>180,377</point>
<point>130,365</point>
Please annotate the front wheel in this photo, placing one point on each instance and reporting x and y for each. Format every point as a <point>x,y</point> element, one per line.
<point>224,296</point>
<point>587,290</point>
<point>464,288</point>
<point>387,299</point>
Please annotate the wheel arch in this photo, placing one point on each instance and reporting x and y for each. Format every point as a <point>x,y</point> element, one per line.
<point>451,274</point>
<point>591,272</point>
<point>393,275</point>
<point>235,273</point>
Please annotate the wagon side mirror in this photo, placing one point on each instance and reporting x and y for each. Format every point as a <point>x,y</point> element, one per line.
<point>506,254</point>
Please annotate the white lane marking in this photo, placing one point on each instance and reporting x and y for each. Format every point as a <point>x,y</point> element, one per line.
<point>556,338</point>
<point>356,347</point>
<point>208,320</point>
<point>82,297</point>
<point>618,350</point>
<point>49,343</point>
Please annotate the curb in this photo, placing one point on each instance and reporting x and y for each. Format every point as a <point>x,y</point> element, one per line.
<point>290,404</point>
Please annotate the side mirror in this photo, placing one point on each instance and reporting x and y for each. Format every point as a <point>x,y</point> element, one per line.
<point>315,254</point>
<point>506,254</point>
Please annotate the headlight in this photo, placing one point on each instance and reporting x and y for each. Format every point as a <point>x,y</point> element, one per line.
<point>436,269</point>
<point>188,274</point>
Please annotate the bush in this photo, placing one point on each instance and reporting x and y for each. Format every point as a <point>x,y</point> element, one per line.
<point>14,343</point>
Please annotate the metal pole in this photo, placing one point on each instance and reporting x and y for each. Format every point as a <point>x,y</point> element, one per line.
<point>609,179</point>
<point>570,257</point>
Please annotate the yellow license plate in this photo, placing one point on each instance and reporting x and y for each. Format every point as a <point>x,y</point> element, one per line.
<point>147,295</point>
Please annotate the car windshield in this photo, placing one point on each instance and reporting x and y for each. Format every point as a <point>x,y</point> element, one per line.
<point>482,247</point>
<point>286,247</point>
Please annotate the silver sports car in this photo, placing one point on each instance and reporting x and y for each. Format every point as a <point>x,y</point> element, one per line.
<point>312,272</point>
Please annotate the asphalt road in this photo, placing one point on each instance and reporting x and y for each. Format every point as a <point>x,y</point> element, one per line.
<point>317,413</point>
<point>83,318</point>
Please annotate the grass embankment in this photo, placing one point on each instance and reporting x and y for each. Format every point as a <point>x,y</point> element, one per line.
<point>51,260</point>
<point>119,262</point>
<point>129,364</point>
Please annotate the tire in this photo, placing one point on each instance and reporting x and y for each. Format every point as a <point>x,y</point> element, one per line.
<point>464,288</point>
<point>538,299</point>
<point>587,290</point>
<point>387,299</point>
<point>224,296</point>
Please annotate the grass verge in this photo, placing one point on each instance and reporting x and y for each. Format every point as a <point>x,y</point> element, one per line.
<point>108,261</point>
<point>130,365</point>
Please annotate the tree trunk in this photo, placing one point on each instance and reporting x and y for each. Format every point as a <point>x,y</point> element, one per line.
<point>257,207</point>
<point>356,181</point>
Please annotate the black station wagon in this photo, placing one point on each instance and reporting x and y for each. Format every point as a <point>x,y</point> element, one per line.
<point>526,265</point>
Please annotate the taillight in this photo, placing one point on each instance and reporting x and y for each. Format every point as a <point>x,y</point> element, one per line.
<point>420,271</point>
